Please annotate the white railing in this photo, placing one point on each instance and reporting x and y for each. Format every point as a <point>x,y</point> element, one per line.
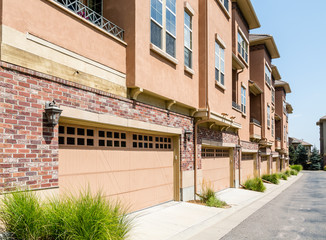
<point>82,10</point>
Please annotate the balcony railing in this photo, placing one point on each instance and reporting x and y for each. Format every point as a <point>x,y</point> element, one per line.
<point>252,120</point>
<point>236,106</point>
<point>90,15</point>
<point>255,131</point>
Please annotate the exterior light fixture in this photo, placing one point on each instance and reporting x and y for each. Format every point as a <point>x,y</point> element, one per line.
<point>188,134</point>
<point>52,113</point>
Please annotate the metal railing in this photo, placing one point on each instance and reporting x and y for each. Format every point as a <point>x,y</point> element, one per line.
<point>236,106</point>
<point>90,15</point>
<point>252,120</point>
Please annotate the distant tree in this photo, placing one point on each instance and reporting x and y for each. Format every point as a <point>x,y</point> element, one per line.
<point>315,160</point>
<point>301,156</point>
<point>292,155</point>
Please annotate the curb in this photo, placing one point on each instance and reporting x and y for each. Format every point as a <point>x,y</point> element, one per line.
<point>222,223</point>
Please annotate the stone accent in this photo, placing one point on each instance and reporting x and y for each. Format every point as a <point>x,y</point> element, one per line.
<point>249,145</point>
<point>29,148</point>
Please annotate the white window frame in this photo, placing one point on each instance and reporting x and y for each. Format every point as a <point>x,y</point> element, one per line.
<point>219,59</point>
<point>242,46</point>
<point>243,99</point>
<point>163,26</point>
<point>268,75</point>
<point>228,4</point>
<point>272,127</point>
<point>273,95</point>
<point>190,14</point>
<point>268,115</point>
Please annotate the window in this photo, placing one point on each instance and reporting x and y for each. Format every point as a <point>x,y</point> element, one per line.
<point>268,116</point>
<point>268,75</point>
<point>188,39</point>
<point>216,153</point>
<point>158,31</point>
<point>96,6</point>
<point>243,100</point>
<point>284,107</point>
<point>242,47</point>
<point>284,133</point>
<point>272,127</point>
<point>219,63</point>
<point>225,4</point>
<point>247,156</point>
<point>273,96</point>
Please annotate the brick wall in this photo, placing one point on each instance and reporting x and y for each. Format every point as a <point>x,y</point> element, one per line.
<point>29,148</point>
<point>249,145</point>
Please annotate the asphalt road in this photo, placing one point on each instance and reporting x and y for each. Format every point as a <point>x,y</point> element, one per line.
<point>297,213</point>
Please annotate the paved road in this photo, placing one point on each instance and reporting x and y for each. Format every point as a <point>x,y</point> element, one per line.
<point>297,213</point>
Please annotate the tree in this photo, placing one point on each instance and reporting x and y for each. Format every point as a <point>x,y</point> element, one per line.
<point>315,160</point>
<point>301,156</point>
<point>292,155</point>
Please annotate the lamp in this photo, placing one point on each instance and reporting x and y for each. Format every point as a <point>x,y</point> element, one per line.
<point>52,113</point>
<point>188,134</point>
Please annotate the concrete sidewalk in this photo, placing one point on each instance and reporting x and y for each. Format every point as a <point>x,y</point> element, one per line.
<point>182,220</point>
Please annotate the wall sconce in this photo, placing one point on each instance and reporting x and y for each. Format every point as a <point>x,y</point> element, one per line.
<point>188,134</point>
<point>52,113</point>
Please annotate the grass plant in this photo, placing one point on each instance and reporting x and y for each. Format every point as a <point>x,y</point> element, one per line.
<point>287,173</point>
<point>255,184</point>
<point>215,202</point>
<point>294,172</point>
<point>208,197</point>
<point>298,168</point>
<point>273,178</point>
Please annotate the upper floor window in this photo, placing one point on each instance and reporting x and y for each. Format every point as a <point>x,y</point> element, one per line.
<point>284,107</point>
<point>242,47</point>
<point>273,96</point>
<point>268,75</point>
<point>285,140</point>
<point>219,63</point>
<point>164,29</point>
<point>188,39</point>
<point>268,116</point>
<point>225,4</point>
<point>96,6</point>
<point>243,99</point>
<point>272,127</point>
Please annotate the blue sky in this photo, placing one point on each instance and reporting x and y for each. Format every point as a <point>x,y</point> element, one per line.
<point>299,30</point>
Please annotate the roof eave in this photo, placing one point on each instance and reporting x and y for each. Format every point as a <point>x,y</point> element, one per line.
<point>276,73</point>
<point>270,44</point>
<point>249,13</point>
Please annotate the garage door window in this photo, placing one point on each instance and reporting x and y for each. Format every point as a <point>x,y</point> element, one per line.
<point>247,156</point>
<point>105,138</point>
<point>217,153</point>
<point>264,158</point>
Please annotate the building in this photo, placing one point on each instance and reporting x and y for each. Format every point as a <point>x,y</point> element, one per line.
<point>295,142</point>
<point>157,97</point>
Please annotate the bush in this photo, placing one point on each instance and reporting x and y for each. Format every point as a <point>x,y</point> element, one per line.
<point>325,168</point>
<point>287,173</point>
<point>87,217</point>
<point>22,215</point>
<point>298,168</point>
<point>273,178</point>
<point>294,172</point>
<point>215,202</point>
<point>83,217</point>
<point>282,176</point>
<point>255,184</point>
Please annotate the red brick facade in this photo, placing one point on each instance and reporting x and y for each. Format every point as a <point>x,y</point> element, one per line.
<point>29,148</point>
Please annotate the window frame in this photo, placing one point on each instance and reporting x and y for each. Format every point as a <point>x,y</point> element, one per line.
<point>268,115</point>
<point>273,127</point>
<point>186,11</point>
<point>165,33</point>
<point>268,77</point>
<point>243,99</point>
<point>221,49</point>
<point>273,96</point>
<point>240,46</point>
<point>226,6</point>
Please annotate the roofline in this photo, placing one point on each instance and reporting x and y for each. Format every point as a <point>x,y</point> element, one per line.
<point>269,43</point>
<point>249,13</point>
<point>276,73</point>
<point>284,85</point>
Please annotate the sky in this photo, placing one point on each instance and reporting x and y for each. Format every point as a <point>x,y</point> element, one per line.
<point>299,30</point>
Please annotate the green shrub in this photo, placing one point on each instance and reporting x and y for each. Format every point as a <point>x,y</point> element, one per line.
<point>207,191</point>
<point>294,172</point>
<point>282,176</point>
<point>298,168</point>
<point>215,202</point>
<point>86,217</point>
<point>22,215</point>
<point>287,173</point>
<point>255,184</point>
<point>273,178</point>
<point>325,168</point>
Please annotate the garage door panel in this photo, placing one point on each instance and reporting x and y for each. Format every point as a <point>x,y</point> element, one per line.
<point>264,165</point>
<point>150,159</point>
<point>247,170</point>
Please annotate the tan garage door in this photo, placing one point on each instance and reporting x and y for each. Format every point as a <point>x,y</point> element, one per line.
<point>264,165</point>
<point>247,166</point>
<point>216,167</point>
<point>135,168</point>
<point>274,165</point>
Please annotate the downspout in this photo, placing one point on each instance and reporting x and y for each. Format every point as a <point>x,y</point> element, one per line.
<point>207,103</point>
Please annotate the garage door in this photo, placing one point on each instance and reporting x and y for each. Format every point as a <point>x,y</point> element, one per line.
<point>135,168</point>
<point>264,165</point>
<point>247,166</point>
<point>274,165</point>
<point>216,168</point>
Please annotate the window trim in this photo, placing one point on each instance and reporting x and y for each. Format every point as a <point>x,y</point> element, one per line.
<point>244,106</point>
<point>220,43</point>
<point>269,84</point>
<point>268,116</point>
<point>186,11</point>
<point>240,32</point>
<point>226,11</point>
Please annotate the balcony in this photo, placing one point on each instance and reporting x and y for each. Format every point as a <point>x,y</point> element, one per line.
<point>255,130</point>
<point>90,15</point>
<point>236,106</point>
<point>277,144</point>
